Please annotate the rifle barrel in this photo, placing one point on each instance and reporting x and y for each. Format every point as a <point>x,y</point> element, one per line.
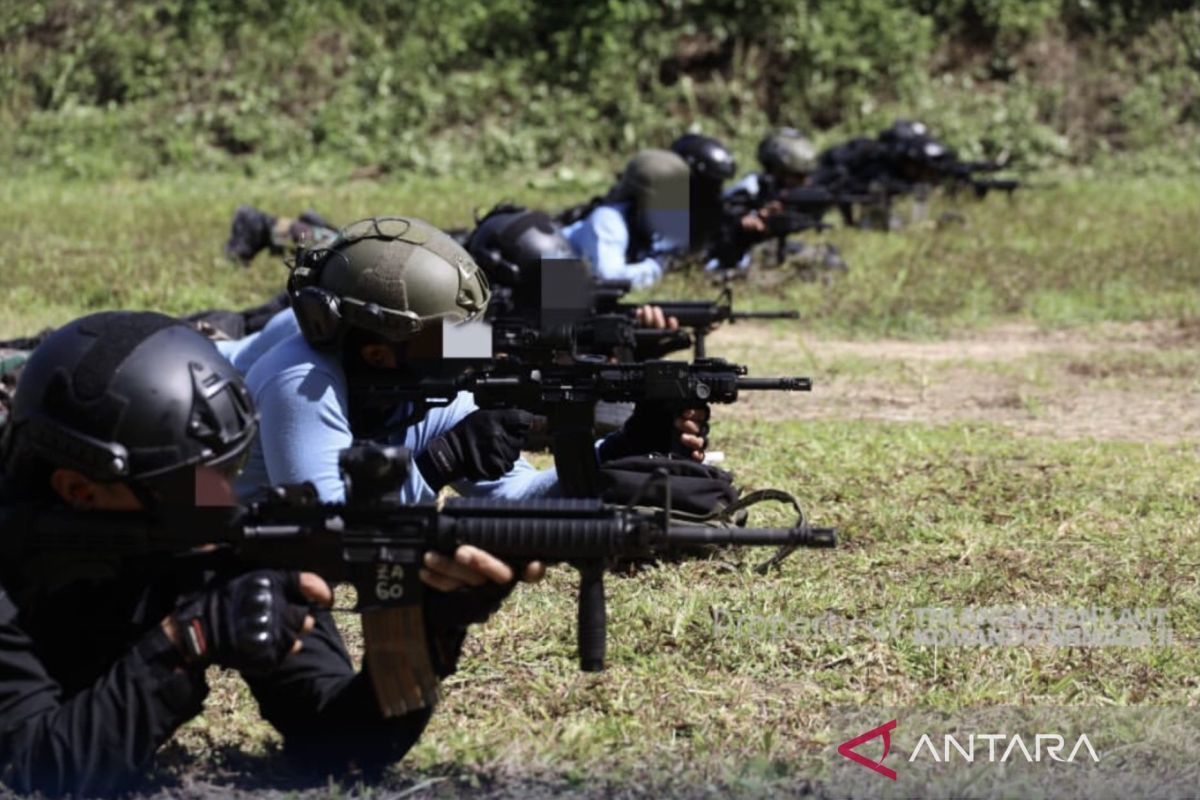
<point>797,537</point>
<point>764,315</point>
<point>775,384</point>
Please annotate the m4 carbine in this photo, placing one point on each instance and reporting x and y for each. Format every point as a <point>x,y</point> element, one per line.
<point>376,544</point>
<point>567,393</point>
<point>603,335</point>
<point>698,315</point>
<point>557,308</point>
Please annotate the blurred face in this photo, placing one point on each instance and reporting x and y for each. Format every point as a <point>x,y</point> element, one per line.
<point>791,180</point>
<point>81,492</point>
<point>190,487</point>
<point>424,346</point>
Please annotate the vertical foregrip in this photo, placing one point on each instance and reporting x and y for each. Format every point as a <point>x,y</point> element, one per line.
<point>586,543</point>
<point>593,616</point>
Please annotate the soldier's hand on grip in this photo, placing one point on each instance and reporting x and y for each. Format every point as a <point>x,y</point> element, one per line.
<point>484,445</point>
<point>250,622</point>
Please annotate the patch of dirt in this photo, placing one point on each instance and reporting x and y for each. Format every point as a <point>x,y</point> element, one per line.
<point>1003,343</point>
<point>1064,390</point>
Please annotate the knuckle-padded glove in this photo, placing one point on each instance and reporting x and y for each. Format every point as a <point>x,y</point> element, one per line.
<point>248,623</point>
<point>484,445</point>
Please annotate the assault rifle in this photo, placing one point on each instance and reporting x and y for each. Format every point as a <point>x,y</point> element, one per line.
<point>588,317</point>
<point>376,544</point>
<point>733,242</point>
<point>567,393</point>
<point>542,311</point>
<point>955,174</point>
<point>698,315</point>
<point>790,210</point>
<point>609,335</point>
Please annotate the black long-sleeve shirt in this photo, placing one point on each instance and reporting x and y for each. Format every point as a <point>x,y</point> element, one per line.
<point>90,686</point>
<point>85,702</point>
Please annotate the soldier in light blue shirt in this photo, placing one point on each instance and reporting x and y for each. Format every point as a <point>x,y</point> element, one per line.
<point>369,304</point>
<point>626,234</point>
<point>244,352</point>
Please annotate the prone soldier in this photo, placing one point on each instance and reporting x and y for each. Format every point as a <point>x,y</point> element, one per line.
<point>134,418</point>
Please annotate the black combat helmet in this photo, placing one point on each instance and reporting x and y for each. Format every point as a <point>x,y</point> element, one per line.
<point>510,242</point>
<point>128,396</point>
<point>909,139</point>
<point>904,130</point>
<point>705,156</point>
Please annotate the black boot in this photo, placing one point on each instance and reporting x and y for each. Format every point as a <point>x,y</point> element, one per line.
<point>249,234</point>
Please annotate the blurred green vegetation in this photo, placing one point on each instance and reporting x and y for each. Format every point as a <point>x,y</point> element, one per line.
<point>317,88</point>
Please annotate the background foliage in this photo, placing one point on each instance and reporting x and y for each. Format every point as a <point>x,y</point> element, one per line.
<point>103,87</point>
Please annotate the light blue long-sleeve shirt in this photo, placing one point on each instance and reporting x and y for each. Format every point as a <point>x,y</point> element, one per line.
<point>242,353</point>
<point>750,184</point>
<point>602,237</point>
<point>303,403</point>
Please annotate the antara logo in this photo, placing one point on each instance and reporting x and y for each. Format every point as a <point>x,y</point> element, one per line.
<point>885,730</point>
<point>1009,748</point>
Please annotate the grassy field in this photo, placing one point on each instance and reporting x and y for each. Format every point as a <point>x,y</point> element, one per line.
<point>1006,412</point>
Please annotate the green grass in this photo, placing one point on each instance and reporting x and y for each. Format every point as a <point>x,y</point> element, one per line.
<point>1085,251</point>
<point>962,514</point>
<point>1078,253</point>
<point>75,248</point>
<point>970,517</point>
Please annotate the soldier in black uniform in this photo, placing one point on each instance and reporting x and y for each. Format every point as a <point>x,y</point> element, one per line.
<point>103,657</point>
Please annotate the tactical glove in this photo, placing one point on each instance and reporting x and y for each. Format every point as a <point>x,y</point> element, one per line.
<point>650,429</point>
<point>484,445</point>
<point>248,623</point>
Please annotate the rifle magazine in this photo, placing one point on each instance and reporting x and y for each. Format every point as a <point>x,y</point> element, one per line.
<point>397,656</point>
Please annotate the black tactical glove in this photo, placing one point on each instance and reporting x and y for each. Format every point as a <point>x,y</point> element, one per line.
<point>650,429</point>
<point>248,623</point>
<point>484,445</point>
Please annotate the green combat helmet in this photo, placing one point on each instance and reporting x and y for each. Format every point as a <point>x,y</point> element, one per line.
<point>654,179</point>
<point>392,276</point>
<point>787,152</point>
<point>656,183</point>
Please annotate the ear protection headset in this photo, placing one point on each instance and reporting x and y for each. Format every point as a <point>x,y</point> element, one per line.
<point>317,310</point>
<point>324,316</point>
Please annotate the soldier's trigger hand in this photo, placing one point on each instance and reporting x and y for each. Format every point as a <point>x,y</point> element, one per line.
<point>484,445</point>
<point>471,566</point>
<point>318,593</point>
<point>249,622</point>
<point>315,589</point>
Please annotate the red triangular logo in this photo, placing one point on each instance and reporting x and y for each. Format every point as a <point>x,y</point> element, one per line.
<point>884,730</point>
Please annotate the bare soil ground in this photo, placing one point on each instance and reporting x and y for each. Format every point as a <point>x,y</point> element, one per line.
<point>1124,382</point>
